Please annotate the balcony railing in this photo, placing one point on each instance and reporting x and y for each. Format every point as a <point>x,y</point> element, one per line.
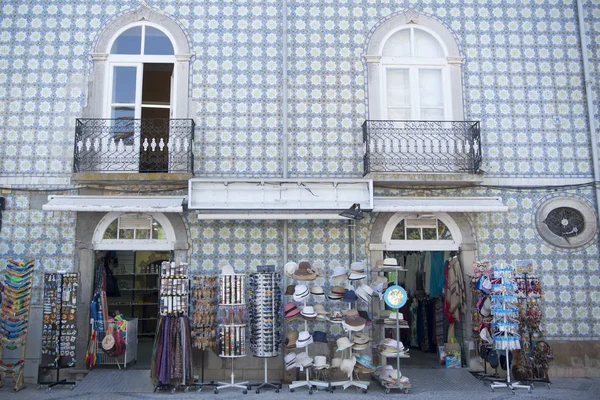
<point>134,145</point>
<point>422,146</point>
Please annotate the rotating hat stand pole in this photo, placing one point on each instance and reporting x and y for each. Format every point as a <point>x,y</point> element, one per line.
<point>232,335</point>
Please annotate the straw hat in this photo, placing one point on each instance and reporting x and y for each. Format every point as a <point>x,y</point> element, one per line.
<point>336,317</point>
<point>360,338</point>
<point>290,310</point>
<point>290,361</point>
<point>343,343</point>
<point>309,313</point>
<point>347,366</point>
<point>317,291</point>
<point>303,360</point>
<point>304,272</point>
<point>353,321</point>
<point>378,264</point>
<point>390,262</point>
<point>290,341</point>
<point>320,362</point>
<point>337,292</point>
<point>336,362</point>
<point>289,290</point>
<point>365,293</point>
<point>340,273</point>
<point>227,269</point>
<point>320,310</point>
<point>304,339</point>
<point>356,271</point>
<point>290,268</point>
<point>301,292</point>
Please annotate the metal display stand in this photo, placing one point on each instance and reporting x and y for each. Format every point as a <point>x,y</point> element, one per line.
<point>232,335</point>
<point>504,297</point>
<point>405,388</point>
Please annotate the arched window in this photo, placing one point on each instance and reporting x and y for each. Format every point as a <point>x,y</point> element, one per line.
<point>413,71</point>
<point>134,231</point>
<point>417,232</point>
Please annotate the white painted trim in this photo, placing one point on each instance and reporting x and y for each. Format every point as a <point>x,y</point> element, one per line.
<point>176,49</point>
<point>421,245</point>
<point>148,204</point>
<point>269,216</point>
<point>438,204</point>
<point>98,243</point>
<point>412,41</point>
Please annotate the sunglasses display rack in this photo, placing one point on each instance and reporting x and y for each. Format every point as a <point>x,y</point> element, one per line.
<point>350,382</point>
<point>404,387</point>
<point>505,323</point>
<point>232,329</point>
<point>59,329</point>
<point>265,321</point>
<point>310,384</point>
<point>174,288</point>
<point>14,319</point>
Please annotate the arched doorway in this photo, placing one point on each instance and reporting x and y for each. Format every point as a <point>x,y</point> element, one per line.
<point>423,243</point>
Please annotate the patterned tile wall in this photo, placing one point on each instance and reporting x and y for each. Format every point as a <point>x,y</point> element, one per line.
<point>522,79</point>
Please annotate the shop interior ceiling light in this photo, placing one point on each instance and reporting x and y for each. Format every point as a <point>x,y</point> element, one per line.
<point>353,212</point>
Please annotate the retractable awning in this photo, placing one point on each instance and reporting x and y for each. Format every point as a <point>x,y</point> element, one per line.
<point>163,204</point>
<point>438,204</point>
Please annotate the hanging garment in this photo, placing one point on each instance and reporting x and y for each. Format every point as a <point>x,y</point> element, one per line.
<point>424,337</point>
<point>413,262</point>
<point>455,293</point>
<point>437,274</point>
<point>413,324</point>
<point>427,273</point>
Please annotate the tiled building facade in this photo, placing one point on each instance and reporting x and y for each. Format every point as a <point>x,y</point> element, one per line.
<point>522,78</point>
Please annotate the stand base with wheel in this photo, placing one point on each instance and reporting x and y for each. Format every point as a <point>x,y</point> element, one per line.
<point>309,384</point>
<point>232,384</point>
<point>266,383</point>
<point>364,385</point>
<point>57,382</point>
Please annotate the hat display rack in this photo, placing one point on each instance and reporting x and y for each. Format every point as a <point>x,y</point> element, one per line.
<point>353,278</point>
<point>232,328</point>
<point>304,274</point>
<point>265,320</point>
<point>171,365</point>
<point>14,319</point>
<point>505,323</point>
<point>390,379</point>
<point>59,327</point>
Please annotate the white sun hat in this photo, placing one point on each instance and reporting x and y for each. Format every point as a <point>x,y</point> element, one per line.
<point>290,268</point>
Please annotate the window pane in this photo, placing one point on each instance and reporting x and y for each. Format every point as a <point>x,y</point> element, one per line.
<point>111,231</point>
<point>398,113</point>
<point>426,45</point>
<point>128,42</point>
<point>429,234</point>
<point>156,87</point>
<point>413,233</point>
<point>142,233</point>
<point>430,88</point>
<point>398,45</point>
<point>123,124</point>
<point>123,88</point>
<point>157,42</point>
<point>398,88</point>
<point>443,231</point>
<point>398,233</point>
<point>126,233</point>
<point>157,231</point>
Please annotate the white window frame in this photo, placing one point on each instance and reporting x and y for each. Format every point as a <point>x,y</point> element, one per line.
<point>422,245</point>
<point>99,243</point>
<point>413,65</point>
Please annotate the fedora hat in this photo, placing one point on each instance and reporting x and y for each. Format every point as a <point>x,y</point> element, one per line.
<point>289,290</point>
<point>301,292</point>
<point>336,317</point>
<point>357,271</point>
<point>365,293</point>
<point>308,312</point>
<point>290,361</point>
<point>347,366</point>
<point>290,310</point>
<point>394,315</point>
<point>320,362</point>
<point>319,336</point>
<point>227,269</point>
<point>349,296</point>
<point>317,291</point>
<point>290,268</point>
<point>343,343</point>
<point>290,341</point>
<point>339,274</point>
<point>378,264</point>
<point>353,321</point>
<point>303,360</point>
<point>304,272</point>
<point>320,310</point>
<point>390,262</point>
<point>337,292</point>
<point>304,339</point>
<point>360,347</point>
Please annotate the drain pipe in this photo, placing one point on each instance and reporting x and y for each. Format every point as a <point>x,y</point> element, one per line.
<point>590,104</point>
<point>284,91</point>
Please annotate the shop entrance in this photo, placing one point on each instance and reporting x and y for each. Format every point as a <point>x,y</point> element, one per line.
<point>423,244</point>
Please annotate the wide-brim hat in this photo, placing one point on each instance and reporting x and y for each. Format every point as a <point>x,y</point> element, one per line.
<point>304,339</point>
<point>304,272</point>
<point>365,361</point>
<point>365,293</point>
<point>360,347</point>
<point>320,362</point>
<point>392,344</point>
<point>301,292</point>
<point>339,272</point>
<point>320,310</point>
<point>317,291</point>
<point>337,292</point>
<point>356,276</point>
<point>353,319</point>
<point>290,268</point>
<point>303,360</point>
<point>357,266</point>
<point>290,290</point>
<point>227,269</point>
<point>361,338</point>
<point>349,296</point>
<point>347,365</point>
<point>308,312</point>
<point>290,341</point>
<point>343,343</point>
<point>390,262</point>
<point>319,336</point>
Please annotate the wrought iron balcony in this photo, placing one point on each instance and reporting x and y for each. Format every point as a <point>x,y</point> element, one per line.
<point>422,146</point>
<point>134,145</point>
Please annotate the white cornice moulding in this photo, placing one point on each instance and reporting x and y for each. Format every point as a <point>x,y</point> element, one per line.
<point>456,60</point>
<point>372,59</point>
<point>184,57</point>
<point>99,56</point>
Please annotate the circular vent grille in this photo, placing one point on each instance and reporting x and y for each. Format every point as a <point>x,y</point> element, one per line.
<point>565,222</point>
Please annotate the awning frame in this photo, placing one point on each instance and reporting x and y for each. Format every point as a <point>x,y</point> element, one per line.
<point>146,204</point>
